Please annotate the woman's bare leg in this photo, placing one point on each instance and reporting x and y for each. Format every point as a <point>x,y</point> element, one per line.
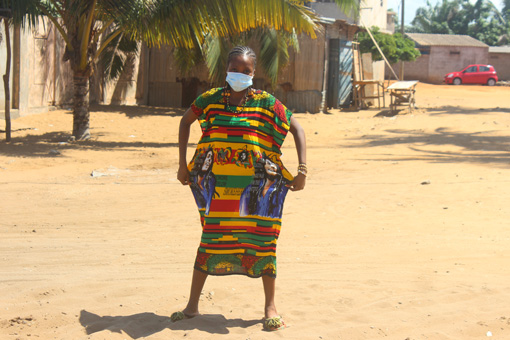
<point>197,284</point>
<point>269,292</point>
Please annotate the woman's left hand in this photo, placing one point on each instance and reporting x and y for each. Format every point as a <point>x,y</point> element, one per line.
<point>183,175</point>
<point>298,183</point>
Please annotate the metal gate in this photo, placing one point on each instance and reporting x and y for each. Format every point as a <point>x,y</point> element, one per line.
<point>164,90</point>
<point>340,73</point>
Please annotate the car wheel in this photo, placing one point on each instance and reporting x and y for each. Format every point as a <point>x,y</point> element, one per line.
<point>491,82</point>
<point>457,81</point>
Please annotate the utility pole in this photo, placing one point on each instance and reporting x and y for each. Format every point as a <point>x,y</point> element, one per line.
<point>402,32</point>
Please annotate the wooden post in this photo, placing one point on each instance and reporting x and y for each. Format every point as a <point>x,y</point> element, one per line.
<point>402,32</point>
<point>15,61</point>
<point>6,82</point>
<point>324,100</point>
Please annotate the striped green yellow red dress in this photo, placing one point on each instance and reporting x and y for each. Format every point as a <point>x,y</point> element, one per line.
<point>239,182</point>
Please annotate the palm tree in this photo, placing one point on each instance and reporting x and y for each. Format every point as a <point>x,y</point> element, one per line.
<point>81,24</point>
<point>182,22</point>
<point>504,16</point>
<point>480,20</point>
<point>185,23</point>
<point>438,18</point>
<point>274,49</point>
<point>273,56</point>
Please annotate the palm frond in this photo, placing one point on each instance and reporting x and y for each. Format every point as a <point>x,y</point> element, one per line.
<point>113,57</point>
<point>23,12</point>
<point>216,51</point>
<point>187,59</point>
<point>350,7</point>
<point>274,54</point>
<point>182,21</point>
<point>272,58</point>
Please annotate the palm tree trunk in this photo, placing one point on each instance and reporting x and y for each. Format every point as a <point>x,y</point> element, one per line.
<point>81,115</point>
<point>6,84</point>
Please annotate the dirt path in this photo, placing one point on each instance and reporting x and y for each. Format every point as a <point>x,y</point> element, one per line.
<point>401,233</point>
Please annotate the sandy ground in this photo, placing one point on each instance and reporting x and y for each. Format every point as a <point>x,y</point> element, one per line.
<point>401,233</point>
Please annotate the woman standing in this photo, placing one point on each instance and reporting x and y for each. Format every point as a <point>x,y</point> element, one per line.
<point>239,181</point>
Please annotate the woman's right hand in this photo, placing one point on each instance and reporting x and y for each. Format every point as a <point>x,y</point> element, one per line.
<point>183,175</point>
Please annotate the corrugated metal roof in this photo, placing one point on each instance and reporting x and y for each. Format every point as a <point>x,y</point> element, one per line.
<point>424,39</point>
<point>499,49</point>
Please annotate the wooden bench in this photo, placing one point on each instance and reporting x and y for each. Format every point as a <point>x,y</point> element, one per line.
<point>360,95</point>
<point>402,93</point>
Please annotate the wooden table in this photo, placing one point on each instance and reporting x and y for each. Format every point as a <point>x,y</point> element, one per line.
<point>402,94</point>
<point>359,92</point>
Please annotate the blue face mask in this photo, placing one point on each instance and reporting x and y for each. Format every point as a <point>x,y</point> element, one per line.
<point>239,81</point>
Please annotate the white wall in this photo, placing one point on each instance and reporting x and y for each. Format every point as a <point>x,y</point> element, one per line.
<point>331,10</point>
<point>374,13</point>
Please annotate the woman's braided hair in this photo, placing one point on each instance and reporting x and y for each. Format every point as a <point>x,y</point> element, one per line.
<point>242,50</point>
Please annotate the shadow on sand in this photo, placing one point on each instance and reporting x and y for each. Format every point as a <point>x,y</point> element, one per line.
<point>441,110</point>
<point>145,324</point>
<point>137,111</point>
<point>477,147</point>
<point>41,145</point>
<point>387,113</point>
<point>446,110</point>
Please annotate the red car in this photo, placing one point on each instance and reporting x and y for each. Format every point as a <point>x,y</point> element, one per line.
<point>473,74</point>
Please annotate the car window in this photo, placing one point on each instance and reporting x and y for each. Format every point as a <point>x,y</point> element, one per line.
<point>484,69</point>
<point>471,69</point>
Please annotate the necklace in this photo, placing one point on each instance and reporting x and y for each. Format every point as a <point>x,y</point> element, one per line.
<point>227,99</point>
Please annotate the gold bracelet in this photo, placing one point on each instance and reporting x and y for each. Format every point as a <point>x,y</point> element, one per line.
<point>302,169</point>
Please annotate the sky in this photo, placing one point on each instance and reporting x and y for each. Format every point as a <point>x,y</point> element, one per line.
<point>412,5</point>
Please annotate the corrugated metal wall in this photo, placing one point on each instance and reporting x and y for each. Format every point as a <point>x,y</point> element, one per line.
<point>309,64</point>
<point>301,82</point>
<point>167,85</point>
<point>164,90</point>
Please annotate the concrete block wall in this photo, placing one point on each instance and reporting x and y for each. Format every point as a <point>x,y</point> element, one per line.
<point>431,68</point>
<point>446,59</point>
<point>416,70</point>
<point>501,62</point>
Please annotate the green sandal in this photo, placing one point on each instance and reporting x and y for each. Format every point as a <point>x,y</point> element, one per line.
<point>274,324</point>
<point>177,316</point>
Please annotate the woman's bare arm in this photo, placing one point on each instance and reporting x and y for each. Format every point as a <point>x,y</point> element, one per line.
<point>184,128</point>
<point>300,139</point>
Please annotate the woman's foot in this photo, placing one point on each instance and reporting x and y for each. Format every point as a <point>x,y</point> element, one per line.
<point>274,324</point>
<point>184,314</point>
<point>270,312</point>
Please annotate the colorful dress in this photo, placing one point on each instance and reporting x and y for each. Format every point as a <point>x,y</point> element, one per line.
<point>239,182</point>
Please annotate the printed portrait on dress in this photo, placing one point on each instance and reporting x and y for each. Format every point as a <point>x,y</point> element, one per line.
<point>202,180</point>
<point>264,196</point>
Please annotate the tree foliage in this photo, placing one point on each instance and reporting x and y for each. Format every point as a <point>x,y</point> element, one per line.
<point>273,56</point>
<point>395,47</point>
<point>480,20</point>
<point>91,28</point>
